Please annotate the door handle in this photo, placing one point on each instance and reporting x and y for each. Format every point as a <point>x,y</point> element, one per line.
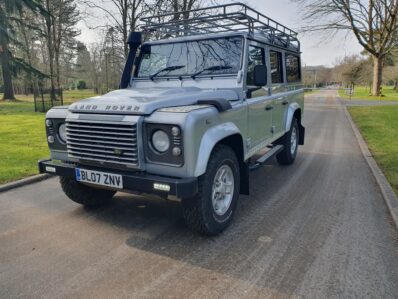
<point>269,107</point>
<point>285,102</point>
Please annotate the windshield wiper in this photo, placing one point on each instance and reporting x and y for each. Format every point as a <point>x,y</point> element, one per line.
<point>166,69</point>
<point>212,69</point>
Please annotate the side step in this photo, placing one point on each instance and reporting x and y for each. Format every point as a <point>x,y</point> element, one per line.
<point>268,155</point>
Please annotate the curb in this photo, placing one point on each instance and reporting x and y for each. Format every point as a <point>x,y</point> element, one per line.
<point>388,193</point>
<point>24,182</point>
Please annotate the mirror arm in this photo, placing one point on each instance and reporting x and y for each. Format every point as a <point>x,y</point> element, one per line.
<point>250,90</point>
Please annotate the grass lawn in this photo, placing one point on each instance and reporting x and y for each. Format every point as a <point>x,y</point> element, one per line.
<point>362,93</point>
<point>23,137</point>
<point>379,127</point>
<point>309,91</point>
<point>22,140</point>
<point>70,96</point>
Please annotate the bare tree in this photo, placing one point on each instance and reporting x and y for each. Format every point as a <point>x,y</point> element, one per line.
<point>48,29</point>
<point>373,22</point>
<point>122,15</point>
<point>65,18</point>
<point>59,28</point>
<point>391,74</point>
<point>353,70</point>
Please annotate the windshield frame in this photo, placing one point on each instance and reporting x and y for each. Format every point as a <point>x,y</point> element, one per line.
<point>204,75</point>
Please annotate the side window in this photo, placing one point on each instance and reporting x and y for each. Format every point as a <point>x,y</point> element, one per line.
<point>292,68</point>
<point>276,67</point>
<point>256,57</point>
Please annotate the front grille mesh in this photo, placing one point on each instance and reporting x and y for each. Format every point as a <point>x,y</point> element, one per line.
<point>102,142</point>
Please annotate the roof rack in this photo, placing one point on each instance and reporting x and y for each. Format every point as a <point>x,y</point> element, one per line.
<point>233,17</point>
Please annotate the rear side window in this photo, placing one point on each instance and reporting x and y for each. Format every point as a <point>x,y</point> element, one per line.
<point>276,67</point>
<point>256,57</point>
<point>292,68</point>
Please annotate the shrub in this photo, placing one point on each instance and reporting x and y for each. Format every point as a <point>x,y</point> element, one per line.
<point>81,84</point>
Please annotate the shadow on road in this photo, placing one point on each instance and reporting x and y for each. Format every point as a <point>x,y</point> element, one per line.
<point>156,226</point>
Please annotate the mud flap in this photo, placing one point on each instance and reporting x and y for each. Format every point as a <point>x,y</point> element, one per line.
<point>244,179</point>
<point>301,134</point>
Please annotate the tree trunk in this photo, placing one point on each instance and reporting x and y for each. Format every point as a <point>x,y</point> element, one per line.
<point>57,38</point>
<point>57,70</point>
<point>5,58</point>
<point>377,75</point>
<point>50,48</point>
<point>32,80</point>
<point>6,69</point>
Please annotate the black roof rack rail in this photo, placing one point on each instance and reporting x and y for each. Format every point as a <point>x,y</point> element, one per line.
<point>233,17</point>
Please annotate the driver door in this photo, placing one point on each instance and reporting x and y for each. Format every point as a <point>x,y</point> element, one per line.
<point>260,106</point>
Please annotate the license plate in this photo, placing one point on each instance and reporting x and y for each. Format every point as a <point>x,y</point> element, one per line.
<point>99,178</point>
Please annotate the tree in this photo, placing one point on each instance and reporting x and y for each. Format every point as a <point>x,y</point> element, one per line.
<point>27,36</point>
<point>83,62</point>
<point>317,75</point>
<point>122,16</point>
<point>352,68</point>
<point>180,8</point>
<point>66,16</point>
<point>59,34</point>
<point>8,18</point>
<point>95,66</point>
<point>81,84</point>
<point>391,75</point>
<point>373,22</point>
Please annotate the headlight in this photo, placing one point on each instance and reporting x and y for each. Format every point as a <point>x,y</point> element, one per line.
<point>62,132</point>
<point>160,141</point>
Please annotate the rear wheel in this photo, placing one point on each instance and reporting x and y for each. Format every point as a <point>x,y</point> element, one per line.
<point>290,145</point>
<point>85,195</point>
<point>212,209</point>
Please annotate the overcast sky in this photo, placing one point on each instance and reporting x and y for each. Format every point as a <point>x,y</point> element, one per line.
<point>315,50</point>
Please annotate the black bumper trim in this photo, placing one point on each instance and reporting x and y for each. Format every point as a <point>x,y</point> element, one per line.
<point>141,182</point>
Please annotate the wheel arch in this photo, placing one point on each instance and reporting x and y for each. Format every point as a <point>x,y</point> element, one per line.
<point>295,111</point>
<point>235,142</point>
<point>229,135</point>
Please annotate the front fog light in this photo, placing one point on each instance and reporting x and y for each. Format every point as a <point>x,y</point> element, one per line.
<point>161,187</point>
<point>160,141</point>
<point>176,151</point>
<point>62,132</point>
<point>50,139</point>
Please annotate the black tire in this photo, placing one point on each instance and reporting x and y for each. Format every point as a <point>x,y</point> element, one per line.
<point>199,213</point>
<point>85,195</point>
<point>286,156</point>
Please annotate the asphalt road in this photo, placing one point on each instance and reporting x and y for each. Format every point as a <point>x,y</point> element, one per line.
<point>317,229</point>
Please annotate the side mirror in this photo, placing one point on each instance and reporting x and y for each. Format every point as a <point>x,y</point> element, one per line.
<point>260,75</point>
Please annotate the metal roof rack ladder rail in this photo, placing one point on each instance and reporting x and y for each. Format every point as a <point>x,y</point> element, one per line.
<point>233,17</point>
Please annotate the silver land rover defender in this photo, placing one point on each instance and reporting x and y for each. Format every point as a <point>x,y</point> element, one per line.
<point>218,95</point>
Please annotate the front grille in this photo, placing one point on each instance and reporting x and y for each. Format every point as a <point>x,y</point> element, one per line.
<point>102,142</point>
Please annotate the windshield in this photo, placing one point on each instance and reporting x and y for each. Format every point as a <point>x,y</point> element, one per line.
<point>204,57</point>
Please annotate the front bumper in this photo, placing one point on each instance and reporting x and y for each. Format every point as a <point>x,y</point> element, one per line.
<point>141,182</point>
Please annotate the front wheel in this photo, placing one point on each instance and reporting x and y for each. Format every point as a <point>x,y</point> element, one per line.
<point>84,194</point>
<point>212,209</point>
<point>290,145</point>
